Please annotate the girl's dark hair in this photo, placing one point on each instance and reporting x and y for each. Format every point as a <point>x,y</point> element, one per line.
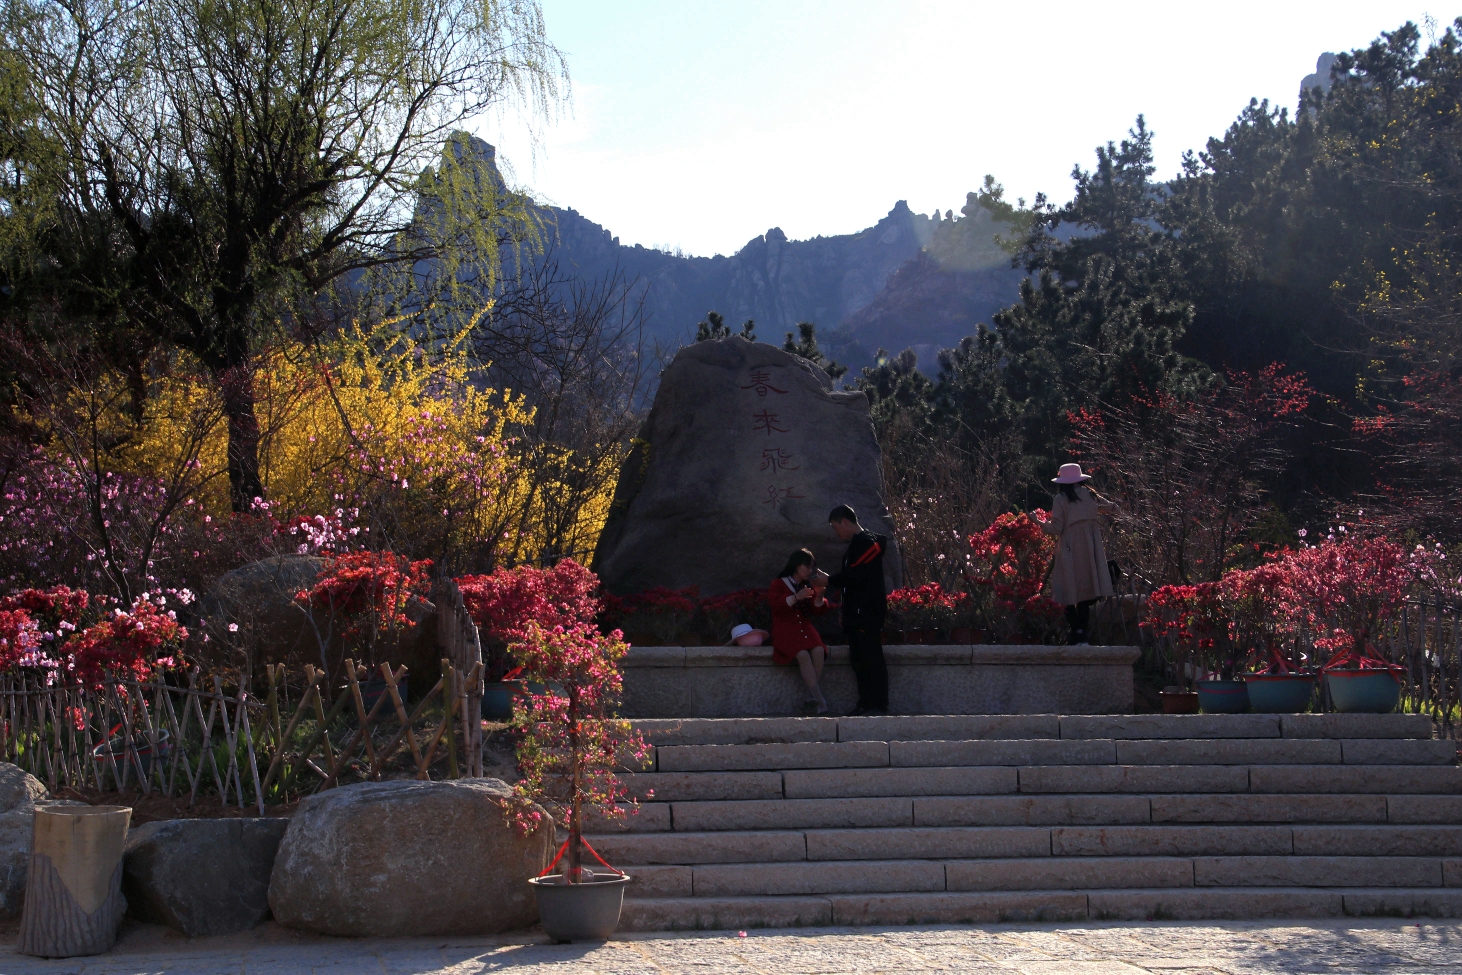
<point>798,558</point>
<point>1070,491</point>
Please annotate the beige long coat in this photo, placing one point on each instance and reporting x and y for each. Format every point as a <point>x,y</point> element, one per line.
<point>1080,572</point>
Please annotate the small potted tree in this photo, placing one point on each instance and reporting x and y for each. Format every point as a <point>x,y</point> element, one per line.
<point>1168,618</point>
<point>570,747</point>
<point>1352,585</point>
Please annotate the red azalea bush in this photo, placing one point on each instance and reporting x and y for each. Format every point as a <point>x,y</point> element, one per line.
<point>742,606</point>
<point>368,592</point>
<point>927,607</point>
<point>571,743</point>
<point>1011,560</point>
<point>1261,603</point>
<point>502,603</point>
<point>664,613</point>
<point>1346,589</point>
<point>1195,619</point>
<point>131,643</point>
<point>20,639</point>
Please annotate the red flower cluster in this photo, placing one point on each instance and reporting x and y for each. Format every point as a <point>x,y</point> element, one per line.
<point>1189,614</point>
<point>1011,559</point>
<point>20,638</point>
<point>130,643</point>
<point>50,607</point>
<point>504,602</point>
<point>928,607</point>
<point>661,611</point>
<point>369,590</point>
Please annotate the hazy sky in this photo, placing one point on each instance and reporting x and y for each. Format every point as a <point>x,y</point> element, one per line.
<point>701,124</point>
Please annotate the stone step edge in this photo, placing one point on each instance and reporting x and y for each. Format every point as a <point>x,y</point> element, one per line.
<point>792,728</point>
<point>994,907</point>
<point>884,760</point>
<point>1181,872</point>
<point>1338,798</point>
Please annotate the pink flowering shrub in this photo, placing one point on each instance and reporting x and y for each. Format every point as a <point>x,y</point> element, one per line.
<point>571,742</point>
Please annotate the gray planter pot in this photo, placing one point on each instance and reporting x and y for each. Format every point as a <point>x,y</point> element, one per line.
<point>580,912</point>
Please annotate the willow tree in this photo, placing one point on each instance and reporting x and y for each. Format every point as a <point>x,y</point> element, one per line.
<point>215,173</point>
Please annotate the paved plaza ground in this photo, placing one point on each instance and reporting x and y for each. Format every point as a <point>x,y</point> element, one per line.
<point>1169,948</point>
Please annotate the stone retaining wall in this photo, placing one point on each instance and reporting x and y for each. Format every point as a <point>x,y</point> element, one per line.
<point>742,682</point>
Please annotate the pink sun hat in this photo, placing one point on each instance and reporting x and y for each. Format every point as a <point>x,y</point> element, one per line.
<point>744,635</point>
<point>1070,474</point>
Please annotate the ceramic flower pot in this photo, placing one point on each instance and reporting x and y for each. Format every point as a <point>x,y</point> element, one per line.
<point>1364,691</point>
<point>497,699</point>
<point>1179,702</point>
<point>146,751</point>
<point>1223,697</point>
<point>587,911</point>
<point>1280,693</point>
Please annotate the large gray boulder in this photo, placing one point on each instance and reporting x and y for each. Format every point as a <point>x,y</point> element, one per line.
<point>20,794</point>
<point>258,599</point>
<point>745,451</point>
<point>407,858</point>
<point>201,876</point>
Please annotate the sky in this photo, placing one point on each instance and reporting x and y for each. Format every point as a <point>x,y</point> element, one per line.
<point>699,125</point>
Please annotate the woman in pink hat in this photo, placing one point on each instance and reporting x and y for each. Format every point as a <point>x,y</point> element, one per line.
<point>1079,576</point>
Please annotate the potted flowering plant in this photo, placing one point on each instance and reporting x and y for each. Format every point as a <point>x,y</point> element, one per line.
<point>1266,613</point>
<point>1191,620</point>
<point>913,612</point>
<point>570,746</point>
<point>1350,585</point>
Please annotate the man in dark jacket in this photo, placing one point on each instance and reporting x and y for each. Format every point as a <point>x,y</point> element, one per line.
<point>864,605</point>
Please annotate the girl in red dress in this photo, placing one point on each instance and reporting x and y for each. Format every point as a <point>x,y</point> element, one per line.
<point>795,597</point>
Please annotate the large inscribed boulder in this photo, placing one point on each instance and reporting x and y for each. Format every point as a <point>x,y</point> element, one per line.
<point>407,857</point>
<point>745,451</point>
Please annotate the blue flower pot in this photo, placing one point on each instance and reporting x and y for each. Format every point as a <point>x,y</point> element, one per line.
<point>1223,696</point>
<point>1364,691</point>
<point>1280,693</point>
<point>497,700</point>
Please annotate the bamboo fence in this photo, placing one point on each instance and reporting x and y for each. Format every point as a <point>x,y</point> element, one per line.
<point>193,737</point>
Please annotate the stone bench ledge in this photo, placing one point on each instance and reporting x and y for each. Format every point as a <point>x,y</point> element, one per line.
<point>953,654</point>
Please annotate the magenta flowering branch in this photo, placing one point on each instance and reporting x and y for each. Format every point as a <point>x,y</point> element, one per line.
<point>571,742</point>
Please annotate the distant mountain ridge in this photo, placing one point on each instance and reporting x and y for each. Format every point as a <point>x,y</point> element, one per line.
<point>772,280</point>
<point>842,283</point>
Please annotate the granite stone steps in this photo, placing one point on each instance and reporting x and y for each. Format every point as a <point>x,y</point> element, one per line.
<point>977,818</point>
<point>993,907</point>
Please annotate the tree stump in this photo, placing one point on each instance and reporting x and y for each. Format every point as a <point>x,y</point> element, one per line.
<point>73,893</point>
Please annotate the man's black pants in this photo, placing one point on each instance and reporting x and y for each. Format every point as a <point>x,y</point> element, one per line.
<point>865,653</point>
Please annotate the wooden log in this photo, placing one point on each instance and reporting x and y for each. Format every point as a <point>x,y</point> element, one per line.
<point>73,893</point>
